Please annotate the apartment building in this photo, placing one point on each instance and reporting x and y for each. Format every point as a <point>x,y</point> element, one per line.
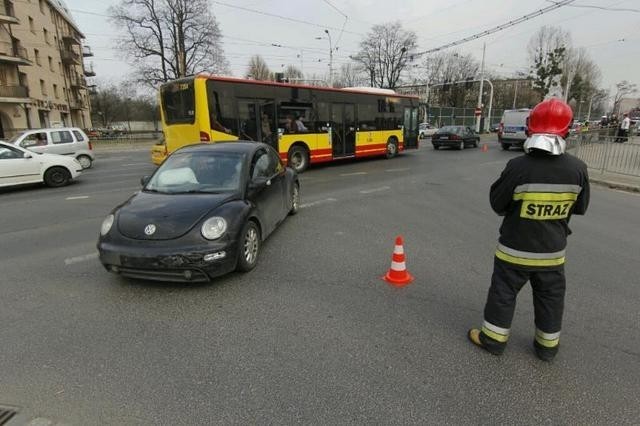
<point>42,72</point>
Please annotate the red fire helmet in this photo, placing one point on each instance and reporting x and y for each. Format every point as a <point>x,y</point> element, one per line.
<point>552,117</point>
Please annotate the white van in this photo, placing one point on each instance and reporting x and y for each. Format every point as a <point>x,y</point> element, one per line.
<point>513,127</point>
<point>60,140</point>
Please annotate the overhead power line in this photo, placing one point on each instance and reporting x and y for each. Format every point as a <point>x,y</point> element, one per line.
<point>286,18</point>
<point>607,8</point>
<point>501,27</point>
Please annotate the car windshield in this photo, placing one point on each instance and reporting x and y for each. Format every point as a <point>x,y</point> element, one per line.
<point>198,172</point>
<point>450,129</point>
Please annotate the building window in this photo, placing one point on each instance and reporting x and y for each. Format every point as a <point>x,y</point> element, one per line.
<point>31,25</point>
<point>43,88</point>
<point>41,6</point>
<point>46,36</point>
<point>36,53</point>
<point>51,64</point>
<point>55,91</point>
<point>60,67</point>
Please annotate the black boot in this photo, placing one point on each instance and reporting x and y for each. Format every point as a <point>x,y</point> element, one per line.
<point>544,353</point>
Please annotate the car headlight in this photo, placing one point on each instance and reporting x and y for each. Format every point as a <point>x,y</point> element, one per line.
<point>213,228</point>
<point>107,223</point>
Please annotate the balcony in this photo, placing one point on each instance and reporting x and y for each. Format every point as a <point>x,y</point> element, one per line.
<point>69,57</point>
<point>7,14</point>
<point>86,51</point>
<point>71,38</point>
<point>15,94</point>
<point>13,53</point>
<point>88,71</point>
<point>76,103</point>
<point>78,82</point>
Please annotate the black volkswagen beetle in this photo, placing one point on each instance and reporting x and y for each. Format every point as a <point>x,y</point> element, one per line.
<point>204,212</point>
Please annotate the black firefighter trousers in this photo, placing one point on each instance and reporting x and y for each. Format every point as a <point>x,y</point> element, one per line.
<point>548,301</point>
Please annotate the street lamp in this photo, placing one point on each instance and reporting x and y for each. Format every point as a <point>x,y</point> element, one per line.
<point>330,57</point>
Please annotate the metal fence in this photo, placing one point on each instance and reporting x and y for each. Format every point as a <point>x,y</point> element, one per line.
<point>451,116</point>
<point>607,153</point>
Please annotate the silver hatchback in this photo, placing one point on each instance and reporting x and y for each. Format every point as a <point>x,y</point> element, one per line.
<point>64,141</point>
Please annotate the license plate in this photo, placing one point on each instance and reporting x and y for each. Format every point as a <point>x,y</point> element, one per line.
<point>444,137</point>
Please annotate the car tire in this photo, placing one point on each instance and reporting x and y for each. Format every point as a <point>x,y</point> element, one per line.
<point>56,177</point>
<point>85,161</point>
<point>505,146</point>
<point>392,148</point>
<point>249,248</point>
<point>298,158</point>
<point>461,146</point>
<point>295,198</point>
<point>436,147</point>
<point>475,143</point>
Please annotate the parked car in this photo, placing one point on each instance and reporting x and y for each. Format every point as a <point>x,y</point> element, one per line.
<point>494,127</point>
<point>204,212</point>
<point>455,136</point>
<point>64,141</point>
<point>20,166</point>
<point>513,128</point>
<point>426,130</point>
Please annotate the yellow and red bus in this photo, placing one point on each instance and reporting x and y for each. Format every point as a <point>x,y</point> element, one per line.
<point>305,124</point>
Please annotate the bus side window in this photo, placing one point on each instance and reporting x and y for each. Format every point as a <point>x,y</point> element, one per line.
<point>222,115</point>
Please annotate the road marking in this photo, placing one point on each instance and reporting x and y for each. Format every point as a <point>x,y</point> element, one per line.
<point>317,203</point>
<point>78,259</point>
<point>370,191</point>
<point>134,164</point>
<point>353,174</point>
<point>397,170</point>
<point>79,197</point>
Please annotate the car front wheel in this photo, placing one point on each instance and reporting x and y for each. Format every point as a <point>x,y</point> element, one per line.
<point>57,176</point>
<point>85,161</point>
<point>295,199</point>
<point>249,247</point>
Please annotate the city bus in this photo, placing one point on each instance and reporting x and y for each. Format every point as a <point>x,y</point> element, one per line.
<point>305,124</point>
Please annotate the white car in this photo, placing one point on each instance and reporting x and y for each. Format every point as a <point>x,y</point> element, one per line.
<point>426,130</point>
<point>69,141</point>
<point>19,166</point>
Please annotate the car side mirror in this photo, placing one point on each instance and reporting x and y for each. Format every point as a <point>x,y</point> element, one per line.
<point>144,180</point>
<point>259,183</point>
<point>27,155</point>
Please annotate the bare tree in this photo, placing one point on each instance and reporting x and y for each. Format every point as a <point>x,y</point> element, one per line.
<point>168,39</point>
<point>385,53</point>
<point>258,69</point>
<point>623,89</point>
<point>351,75</point>
<point>291,72</point>
<point>547,50</point>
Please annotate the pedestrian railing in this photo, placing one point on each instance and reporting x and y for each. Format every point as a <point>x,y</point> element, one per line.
<point>607,153</point>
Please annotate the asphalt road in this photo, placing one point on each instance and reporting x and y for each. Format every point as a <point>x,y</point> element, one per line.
<point>313,335</point>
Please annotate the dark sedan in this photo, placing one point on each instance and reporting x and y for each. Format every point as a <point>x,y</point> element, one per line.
<point>455,136</point>
<point>204,212</point>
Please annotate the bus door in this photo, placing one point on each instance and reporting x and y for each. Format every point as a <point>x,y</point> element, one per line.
<point>343,130</point>
<point>410,127</point>
<point>257,120</point>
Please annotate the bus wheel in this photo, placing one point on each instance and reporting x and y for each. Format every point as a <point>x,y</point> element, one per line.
<point>298,158</point>
<point>392,148</point>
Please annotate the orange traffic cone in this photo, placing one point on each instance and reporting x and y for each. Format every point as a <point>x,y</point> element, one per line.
<point>398,275</point>
<point>485,147</point>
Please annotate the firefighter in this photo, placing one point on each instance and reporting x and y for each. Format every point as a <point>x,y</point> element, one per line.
<point>536,193</point>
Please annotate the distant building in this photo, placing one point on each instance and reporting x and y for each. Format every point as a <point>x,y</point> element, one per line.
<point>42,72</point>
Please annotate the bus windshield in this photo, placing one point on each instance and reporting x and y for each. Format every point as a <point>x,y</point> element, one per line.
<point>178,102</point>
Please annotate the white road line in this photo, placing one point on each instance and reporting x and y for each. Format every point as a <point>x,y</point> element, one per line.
<point>353,174</point>
<point>317,203</point>
<point>78,259</point>
<point>370,191</point>
<point>398,170</point>
<point>79,197</point>
<point>134,164</point>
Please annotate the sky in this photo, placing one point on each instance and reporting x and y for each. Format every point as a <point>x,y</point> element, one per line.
<point>612,38</point>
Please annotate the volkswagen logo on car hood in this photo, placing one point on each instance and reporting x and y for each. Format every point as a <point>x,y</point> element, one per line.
<point>150,229</point>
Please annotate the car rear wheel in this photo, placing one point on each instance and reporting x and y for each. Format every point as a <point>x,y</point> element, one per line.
<point>249,247</point>
<point>56,177</point>
<point>475,143</point>
<point>295,199</point>
<point>85,161</point>
<point>298,158</point>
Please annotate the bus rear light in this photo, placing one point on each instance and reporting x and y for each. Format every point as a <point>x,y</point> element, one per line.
<point>204,137</point>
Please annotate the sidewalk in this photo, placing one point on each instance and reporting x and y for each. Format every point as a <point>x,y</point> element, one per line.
<point>615,181</point>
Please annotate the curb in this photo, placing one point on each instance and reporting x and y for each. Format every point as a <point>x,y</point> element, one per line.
<point>615,185</point>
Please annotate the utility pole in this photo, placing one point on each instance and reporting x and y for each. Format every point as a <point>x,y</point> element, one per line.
<point>330,57</point>
<point>515,94</point>
<point>478,118</point>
